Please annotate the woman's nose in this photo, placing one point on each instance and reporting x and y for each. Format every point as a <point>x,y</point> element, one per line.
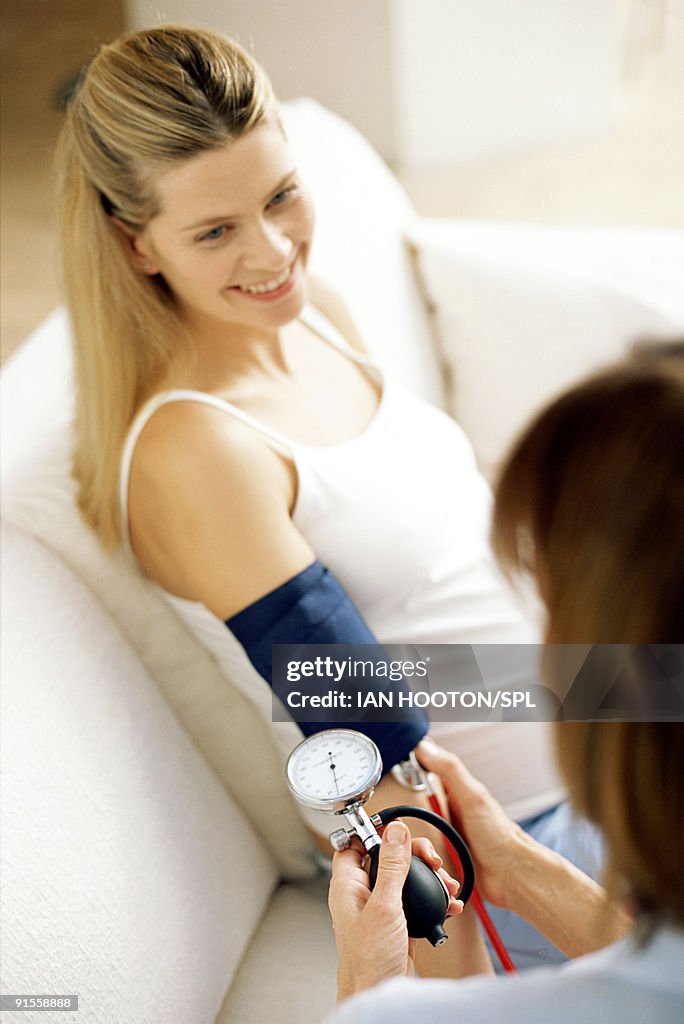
<point>267,248</point>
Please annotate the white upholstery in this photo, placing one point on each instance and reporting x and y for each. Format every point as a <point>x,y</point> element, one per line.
<point>362,217</point>
<point>121,860</point>
<point>523,311</point>
<point>145,818</point>
<point>289,970</point>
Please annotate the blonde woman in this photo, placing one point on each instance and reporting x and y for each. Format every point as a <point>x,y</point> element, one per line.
<point>591,503</point>
<point>231,431</point>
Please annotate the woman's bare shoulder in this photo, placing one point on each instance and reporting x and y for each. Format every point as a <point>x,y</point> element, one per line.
<point>324,297</point>
<point>209,508</point>
<point>181,434</point>
<point>191,456</point>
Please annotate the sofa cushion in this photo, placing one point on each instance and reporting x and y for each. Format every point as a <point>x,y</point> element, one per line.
<point>294,949</point>
<point>362,214</point>
<point>130,876</point>
<point>523,311</point>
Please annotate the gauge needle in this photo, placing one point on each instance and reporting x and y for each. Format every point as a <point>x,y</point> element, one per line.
<point>332,769</point>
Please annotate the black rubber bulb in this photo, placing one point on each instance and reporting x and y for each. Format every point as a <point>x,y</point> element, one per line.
<point>424,899</point>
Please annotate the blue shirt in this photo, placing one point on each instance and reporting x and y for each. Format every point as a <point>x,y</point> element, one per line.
<point>617,985</point>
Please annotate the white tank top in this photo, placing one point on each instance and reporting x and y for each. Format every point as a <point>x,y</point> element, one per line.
<point>400,514</point>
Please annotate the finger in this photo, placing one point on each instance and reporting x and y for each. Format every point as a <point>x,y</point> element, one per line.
<point>456,778</point>
<point>347,862</point>
<point>346,869</point>
<point>393,865</point>
<point>423,848</point>
<point>456,907</point>
<point>357,845</point>
<point>452,884</point>
<point>349,883</point>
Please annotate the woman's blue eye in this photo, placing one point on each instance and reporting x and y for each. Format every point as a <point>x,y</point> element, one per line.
<point>214,234</point>
<point>222,229</point>
<point>280,197</point>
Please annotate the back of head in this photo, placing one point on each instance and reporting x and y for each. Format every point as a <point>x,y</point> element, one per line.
<point>146,102</point>
<point>590,504</point>
<point>590,501</point>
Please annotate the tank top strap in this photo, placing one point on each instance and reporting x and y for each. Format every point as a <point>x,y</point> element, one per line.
<point>313,319</point>
<point>148,410</point>
<point>325,329</point>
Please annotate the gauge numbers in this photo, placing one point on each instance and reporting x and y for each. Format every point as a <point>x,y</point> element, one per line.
<point>334,768</point>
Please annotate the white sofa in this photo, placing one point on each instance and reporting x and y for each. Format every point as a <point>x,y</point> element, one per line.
<point>152,860</point>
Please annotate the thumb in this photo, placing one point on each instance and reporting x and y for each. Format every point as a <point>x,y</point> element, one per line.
<point>393,864</point>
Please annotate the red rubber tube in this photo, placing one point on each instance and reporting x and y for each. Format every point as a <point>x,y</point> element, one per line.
<point>477,903</point>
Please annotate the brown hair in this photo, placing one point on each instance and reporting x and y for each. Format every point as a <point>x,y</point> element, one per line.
<point>146,101</point>
<point>590,503</point>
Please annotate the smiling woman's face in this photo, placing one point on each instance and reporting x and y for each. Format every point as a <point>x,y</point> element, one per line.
<point>233,233</point>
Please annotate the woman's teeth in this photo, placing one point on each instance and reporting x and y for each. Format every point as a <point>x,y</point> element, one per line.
<point>269,286</point>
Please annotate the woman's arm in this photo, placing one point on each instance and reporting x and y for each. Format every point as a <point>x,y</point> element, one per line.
<point>563,903</point>
<point>210,509</point>
<point>516,872</point>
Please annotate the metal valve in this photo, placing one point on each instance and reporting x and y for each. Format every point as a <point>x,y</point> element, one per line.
<point>341,839</point>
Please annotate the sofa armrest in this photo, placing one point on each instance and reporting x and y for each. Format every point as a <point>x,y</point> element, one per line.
<point>130,875</point>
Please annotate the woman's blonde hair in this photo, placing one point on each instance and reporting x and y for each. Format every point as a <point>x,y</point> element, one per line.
<point>590,503</point>
<point>145,102</point>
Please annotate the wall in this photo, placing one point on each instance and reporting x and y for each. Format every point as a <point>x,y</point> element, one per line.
<point>476,79</point>
<point>335,50</point>
<point>432,82</point>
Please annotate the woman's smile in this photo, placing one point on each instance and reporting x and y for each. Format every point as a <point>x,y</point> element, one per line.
<point>233,233</point>
<point>274,289</point>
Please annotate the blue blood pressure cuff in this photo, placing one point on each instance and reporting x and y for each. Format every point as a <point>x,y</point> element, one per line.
<point>313,608</point>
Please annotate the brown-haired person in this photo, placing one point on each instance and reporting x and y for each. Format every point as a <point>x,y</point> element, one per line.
<point>590,504</point>
<point>232,435</point>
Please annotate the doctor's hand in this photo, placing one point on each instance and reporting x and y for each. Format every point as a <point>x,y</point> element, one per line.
<point>498,846</point>
<point>370,928</point>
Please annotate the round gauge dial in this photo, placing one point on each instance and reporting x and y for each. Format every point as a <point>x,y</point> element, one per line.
<point>334,768</point>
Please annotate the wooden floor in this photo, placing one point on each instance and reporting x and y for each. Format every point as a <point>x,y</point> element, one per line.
<point>634,174</point>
